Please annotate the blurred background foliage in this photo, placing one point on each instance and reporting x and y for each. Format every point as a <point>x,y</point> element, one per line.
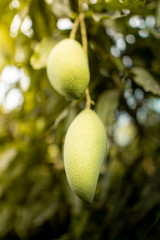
<point>124,56</point>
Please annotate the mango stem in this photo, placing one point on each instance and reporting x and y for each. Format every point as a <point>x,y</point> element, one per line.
<point>75,28</point>
<point>85,45</point>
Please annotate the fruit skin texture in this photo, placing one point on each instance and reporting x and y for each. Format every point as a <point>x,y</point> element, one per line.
<point>84,151</point>
<point>67,69</point>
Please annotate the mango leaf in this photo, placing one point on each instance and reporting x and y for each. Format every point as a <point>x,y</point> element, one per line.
<point>41,52</point>
<point>110,15</point>
<point>106,106</point>
<point>145,80</point>
<point>158,15</point>
<point>120,4</point>
<point>6,158</point>
<point>6,46</point>
<point>155,33</point>
<point>61,8</point>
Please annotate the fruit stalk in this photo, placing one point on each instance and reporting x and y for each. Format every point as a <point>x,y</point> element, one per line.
<point>85,46</point>
<point>75,28</point>
<point>88,99</point>
<point>83,32</point>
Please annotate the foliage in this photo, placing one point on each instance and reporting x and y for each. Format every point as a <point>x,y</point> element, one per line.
<point>124,56</point>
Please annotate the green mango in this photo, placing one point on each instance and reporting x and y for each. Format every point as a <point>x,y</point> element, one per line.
<point>67,69</point>
<point>84,150</point>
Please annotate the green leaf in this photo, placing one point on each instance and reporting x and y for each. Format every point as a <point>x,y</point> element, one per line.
<point>41,52</point>
<point>6,46</point>
<point>155,33</point>
<point>61,8</point>
<point>106,106</point>
<point>111,15</point>
<point>6,158</point>
<point>145,80</point>
<point>158,15</point>
<point>111,5</point>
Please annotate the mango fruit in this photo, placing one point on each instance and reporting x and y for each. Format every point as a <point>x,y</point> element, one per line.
<point>67,69</point>
<point>84,151</point>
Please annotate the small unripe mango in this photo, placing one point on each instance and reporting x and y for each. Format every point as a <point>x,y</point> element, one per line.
<point>84,151</point>
<point>67,69</point>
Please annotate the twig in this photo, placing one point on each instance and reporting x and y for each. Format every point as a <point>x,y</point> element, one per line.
<point>85,45</point>
<point>83,32</point>
<point>88,99</point>
<point>75,28</point>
